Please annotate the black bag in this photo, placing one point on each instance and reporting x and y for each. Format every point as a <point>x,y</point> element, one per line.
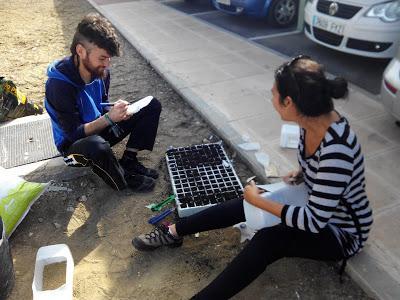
<point>13,103</point>
<point>7,276</point>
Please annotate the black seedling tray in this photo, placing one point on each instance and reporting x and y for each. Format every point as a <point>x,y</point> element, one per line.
<point>201,176</point>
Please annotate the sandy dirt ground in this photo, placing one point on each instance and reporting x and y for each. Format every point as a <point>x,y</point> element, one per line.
<point>99,230</point>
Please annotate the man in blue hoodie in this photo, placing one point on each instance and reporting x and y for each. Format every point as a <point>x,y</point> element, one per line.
<point>84,129</point>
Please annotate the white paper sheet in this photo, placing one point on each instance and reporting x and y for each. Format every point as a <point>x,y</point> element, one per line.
<point>138,105</point>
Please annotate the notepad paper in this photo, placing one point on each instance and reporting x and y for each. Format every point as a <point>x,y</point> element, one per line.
<point>138,105</point>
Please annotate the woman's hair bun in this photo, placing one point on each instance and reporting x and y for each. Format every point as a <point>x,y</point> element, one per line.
<point>338,87</point>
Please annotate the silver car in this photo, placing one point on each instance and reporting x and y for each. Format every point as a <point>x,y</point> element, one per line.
<point>390,90</point>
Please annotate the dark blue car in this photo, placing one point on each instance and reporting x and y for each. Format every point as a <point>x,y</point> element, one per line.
<point>278,12</point>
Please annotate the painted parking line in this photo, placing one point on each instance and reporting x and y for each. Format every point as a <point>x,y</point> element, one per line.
<point>205,13</point>
<point>242,25</point>
<point>272,35</point>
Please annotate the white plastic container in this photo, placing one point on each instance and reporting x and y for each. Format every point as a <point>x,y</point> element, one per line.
<point>49,255</point>
<point>290,136</point>
<point>257,218</point>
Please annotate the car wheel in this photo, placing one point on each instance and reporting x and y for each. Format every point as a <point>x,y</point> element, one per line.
<point>282,12</point>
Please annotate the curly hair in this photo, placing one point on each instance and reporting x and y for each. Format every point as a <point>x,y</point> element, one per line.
<point>97,30</point>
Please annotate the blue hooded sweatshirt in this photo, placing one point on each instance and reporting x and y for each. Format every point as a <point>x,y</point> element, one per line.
<point>71,103</point>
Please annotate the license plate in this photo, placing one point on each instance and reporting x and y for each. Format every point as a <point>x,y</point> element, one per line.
<point>225,2</point>
<point>328,25</point>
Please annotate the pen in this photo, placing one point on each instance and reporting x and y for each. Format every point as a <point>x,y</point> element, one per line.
<point>106,104</point>
<point>163,215</point>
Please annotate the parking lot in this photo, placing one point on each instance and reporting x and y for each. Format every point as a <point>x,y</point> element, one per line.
<point>353,68</point>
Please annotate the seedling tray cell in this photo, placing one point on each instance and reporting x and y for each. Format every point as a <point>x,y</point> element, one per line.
<point>201,176</point>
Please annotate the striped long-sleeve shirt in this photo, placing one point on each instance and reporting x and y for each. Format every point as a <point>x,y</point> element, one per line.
<point>334,177</point>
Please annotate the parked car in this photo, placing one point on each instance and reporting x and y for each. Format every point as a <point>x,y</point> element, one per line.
<point>363,27</point>
<point>278,12</point>
<point>390,90</point>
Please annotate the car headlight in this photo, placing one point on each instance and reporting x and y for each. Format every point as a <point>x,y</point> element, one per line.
<point>387,12</point>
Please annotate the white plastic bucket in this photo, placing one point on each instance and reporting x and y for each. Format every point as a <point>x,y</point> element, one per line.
<point>257,218</point>
<point>49,255</point>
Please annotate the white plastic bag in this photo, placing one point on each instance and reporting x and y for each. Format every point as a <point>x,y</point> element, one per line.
<point>16,197</point>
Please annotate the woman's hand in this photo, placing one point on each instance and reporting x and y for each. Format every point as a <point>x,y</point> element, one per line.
<point>293,177</point>
<point>251,192</point>
<point>252,195</point>
<point>119,111</point>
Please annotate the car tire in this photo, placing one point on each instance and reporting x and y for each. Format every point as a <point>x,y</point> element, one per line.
<point>283,13</point>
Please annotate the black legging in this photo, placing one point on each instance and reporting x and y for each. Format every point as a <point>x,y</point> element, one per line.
<point>95,151</point>
<point>267,245</point>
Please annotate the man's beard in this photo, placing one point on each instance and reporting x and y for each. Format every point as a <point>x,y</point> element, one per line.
<point>99,72</point>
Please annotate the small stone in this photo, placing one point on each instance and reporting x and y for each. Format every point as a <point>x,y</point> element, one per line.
<point>83,183</point>
<point>196,235</point>
<point>82,198</point>
<point>206,141</point>
<point>226,164</point>
<point>56,225</point>
<point>70,209</point>
<point>40,220</point>
<point>30,234</point>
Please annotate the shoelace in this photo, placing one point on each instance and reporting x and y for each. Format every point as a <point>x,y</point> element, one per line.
<point>154,234</point>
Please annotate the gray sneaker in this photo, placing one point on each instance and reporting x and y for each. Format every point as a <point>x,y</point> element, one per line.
<point>158,237</point>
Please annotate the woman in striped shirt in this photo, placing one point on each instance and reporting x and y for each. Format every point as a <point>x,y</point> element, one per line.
<point>335,220</point>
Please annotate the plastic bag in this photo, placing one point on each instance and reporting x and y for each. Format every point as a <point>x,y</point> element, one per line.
<point>13,103</point>
<point>16,197</point>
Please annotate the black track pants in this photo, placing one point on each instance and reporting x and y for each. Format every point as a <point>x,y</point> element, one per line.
<point>95,151</point>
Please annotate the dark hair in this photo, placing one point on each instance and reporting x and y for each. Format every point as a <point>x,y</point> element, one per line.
<point>97,30</point>
<point>304,80</point>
